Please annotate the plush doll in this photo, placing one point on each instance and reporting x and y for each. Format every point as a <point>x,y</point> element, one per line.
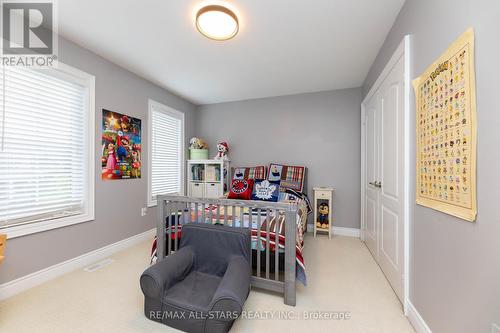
<point>222,150</point>
<point>323,211</point>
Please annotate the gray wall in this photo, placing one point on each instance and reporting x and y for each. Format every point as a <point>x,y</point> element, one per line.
<point>318,130</point>
<point>455,266</point>
<point>118,203</point>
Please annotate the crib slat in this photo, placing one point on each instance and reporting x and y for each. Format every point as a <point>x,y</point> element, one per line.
<point>176,221</point>
<point>225,214</point>
<point>250,229</point>
<point>169,226</point>
<point>218,213</point>
<point>259,211</point>
<point>268,220</point>
<point>203,213</point>
<point>232,216</point>
<point>160,230</point>
<point>196,218</point>
<point>276,246</point>
<point>186,213</point>
<point>211,214</point>
<point>241,216</point>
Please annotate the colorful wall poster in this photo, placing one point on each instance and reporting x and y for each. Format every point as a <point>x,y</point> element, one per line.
<point>446,131</point>
<point>121,146</point>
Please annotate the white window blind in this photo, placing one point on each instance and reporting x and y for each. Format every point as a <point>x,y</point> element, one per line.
<point>166,151</point>
<point>44,146</point>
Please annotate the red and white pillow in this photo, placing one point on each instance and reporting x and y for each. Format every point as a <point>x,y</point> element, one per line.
<point>241,189</point>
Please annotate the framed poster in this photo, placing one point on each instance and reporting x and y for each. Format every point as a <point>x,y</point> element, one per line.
<point>121,146</point>
<point>446,131</point>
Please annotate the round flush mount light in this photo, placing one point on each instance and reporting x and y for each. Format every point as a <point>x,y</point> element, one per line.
<point>217,22</point>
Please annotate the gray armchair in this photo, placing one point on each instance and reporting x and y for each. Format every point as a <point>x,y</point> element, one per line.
<point>201,287</point>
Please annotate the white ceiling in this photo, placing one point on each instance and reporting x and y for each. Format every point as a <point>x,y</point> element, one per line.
<point>283,47</point>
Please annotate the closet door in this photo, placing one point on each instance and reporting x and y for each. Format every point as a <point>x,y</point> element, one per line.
<point>371,200</point>
<point>385,175</point>
<point>391,177</point>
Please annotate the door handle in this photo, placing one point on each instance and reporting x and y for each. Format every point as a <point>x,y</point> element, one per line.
<point>372,183</point>
<point>376,184</point>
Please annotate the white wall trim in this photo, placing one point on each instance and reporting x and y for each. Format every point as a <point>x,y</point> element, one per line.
<point>343,231</point>
<point>21,284</point>
<point>339,231</point>
<point>416,319</point>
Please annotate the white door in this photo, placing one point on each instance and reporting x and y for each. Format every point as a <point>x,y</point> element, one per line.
<point>384,175</point>
<point>391,166</point>
<point>371,201</point>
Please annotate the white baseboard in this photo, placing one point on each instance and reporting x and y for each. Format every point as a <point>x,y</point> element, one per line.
<point>340,231</point>
<point>416,319</point>
<point>21,284</point>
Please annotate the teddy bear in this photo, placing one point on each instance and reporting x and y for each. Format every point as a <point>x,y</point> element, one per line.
<point>222,149</point>
<point>323,211</point>
<point>197,143</point>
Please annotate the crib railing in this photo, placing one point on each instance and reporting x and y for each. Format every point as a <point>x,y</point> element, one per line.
<point>181,210</point>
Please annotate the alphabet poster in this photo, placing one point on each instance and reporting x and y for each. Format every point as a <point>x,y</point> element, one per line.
<point>446,131</point>
<point>121,146</point>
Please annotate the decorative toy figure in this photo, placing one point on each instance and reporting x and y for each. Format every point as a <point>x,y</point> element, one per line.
<point>222,150</point>
<point>197,143</point>
<point>123,146</point>
<point>111,161</point>
<point>323,216</point>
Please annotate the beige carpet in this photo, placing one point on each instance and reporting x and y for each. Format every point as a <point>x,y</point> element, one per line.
<point>342,277</point>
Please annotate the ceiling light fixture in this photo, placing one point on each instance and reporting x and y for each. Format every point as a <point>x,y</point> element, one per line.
<point>217,22</point>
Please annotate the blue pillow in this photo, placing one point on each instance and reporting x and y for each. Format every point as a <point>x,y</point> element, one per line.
<point>266,190</point>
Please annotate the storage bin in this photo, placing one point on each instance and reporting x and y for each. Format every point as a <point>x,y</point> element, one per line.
<point>198,154</point>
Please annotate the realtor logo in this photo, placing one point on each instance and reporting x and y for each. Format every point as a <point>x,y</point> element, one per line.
<point>29,35</point>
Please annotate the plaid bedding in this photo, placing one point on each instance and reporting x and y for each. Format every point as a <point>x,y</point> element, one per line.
<point>257,172</point>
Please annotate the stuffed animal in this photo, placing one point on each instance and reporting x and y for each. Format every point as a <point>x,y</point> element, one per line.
<point>323,211</point>
<point>197,143</point>
<point>222,150</point>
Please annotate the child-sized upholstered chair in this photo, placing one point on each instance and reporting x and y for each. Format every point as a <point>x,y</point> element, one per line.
<point>201,287</point>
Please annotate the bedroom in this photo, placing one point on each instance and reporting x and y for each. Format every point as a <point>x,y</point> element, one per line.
<point>292,86</point>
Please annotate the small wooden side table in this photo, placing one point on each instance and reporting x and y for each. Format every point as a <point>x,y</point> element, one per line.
<point>323,210</point>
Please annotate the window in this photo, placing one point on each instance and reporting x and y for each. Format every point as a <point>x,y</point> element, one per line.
<point>46,148</point>
<point>166,153</point>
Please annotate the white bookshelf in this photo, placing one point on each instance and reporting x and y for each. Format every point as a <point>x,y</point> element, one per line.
<point>207,178</point>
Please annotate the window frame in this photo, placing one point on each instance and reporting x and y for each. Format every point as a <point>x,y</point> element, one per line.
<point>75,75</point>
<point>175,114</point>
